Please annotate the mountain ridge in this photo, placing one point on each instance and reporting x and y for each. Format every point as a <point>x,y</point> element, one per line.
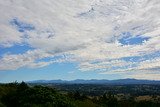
<point>98,81</point>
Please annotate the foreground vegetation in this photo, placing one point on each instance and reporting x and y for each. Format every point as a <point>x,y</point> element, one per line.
<point>23,95</point>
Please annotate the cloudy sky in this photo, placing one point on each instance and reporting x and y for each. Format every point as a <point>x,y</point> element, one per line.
<point>79,39</point>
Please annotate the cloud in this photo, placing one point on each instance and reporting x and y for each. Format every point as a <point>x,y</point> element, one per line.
<point>28,59</point>
<point>90,32</point>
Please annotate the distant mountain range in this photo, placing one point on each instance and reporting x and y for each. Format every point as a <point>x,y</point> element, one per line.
<point>95,81</point>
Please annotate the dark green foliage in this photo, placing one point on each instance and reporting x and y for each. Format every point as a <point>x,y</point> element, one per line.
<point>108,100</point>
<point>77,96</point>
<point>38,96</point>
<point>147,104</point>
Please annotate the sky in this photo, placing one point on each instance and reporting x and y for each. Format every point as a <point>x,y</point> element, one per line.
<point>79,39</point>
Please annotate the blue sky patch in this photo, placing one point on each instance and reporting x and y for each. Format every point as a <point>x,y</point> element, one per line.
<point>21,26</point>
<point>16,49</point>
<point>128,39</point>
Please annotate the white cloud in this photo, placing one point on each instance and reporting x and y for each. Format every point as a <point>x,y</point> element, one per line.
<point>12,62</point>
<point>144,75</point>
<point>84,30</point>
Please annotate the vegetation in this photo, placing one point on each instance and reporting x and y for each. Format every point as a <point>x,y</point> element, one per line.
<point>24,95</point>
<point>100,89</point>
